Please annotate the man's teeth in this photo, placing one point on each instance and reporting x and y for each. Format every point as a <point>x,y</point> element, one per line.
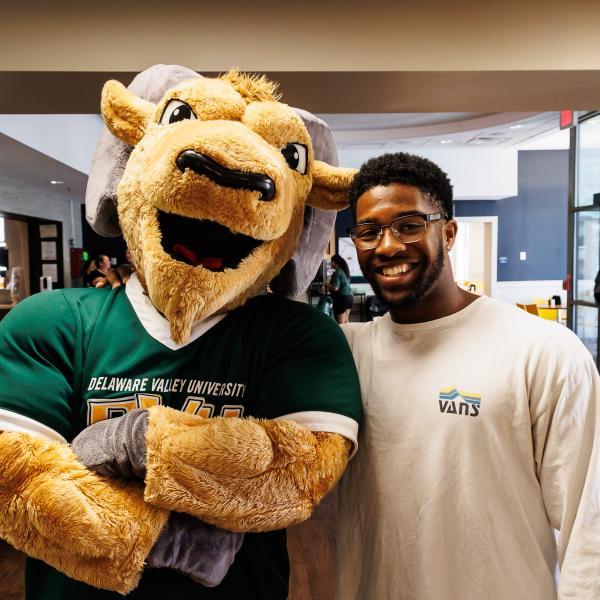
<point>396,269</point>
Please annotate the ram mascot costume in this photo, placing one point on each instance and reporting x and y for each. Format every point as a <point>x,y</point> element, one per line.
<point>157,438</point>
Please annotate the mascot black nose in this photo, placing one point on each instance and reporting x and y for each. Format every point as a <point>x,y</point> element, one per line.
<point>221,175</point>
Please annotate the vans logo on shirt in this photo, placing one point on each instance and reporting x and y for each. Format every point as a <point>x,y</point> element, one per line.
<point>455,402</point>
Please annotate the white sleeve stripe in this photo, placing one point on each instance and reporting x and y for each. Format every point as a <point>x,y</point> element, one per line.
<point>316,420</point>
<point>13,422</point>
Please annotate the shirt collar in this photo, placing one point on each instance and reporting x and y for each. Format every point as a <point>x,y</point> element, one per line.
<point>155,324</point>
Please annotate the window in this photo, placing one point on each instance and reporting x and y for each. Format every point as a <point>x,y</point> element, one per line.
<point>588,160</point>
<point>584,230</point>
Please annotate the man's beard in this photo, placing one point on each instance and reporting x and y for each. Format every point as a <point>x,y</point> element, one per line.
<point>420,290</point>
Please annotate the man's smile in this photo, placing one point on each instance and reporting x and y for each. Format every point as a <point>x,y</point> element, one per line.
<point>401,272</point>
<point>397,269</point>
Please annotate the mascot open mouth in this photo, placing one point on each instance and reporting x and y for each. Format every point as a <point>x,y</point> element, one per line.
<point>204,243</point>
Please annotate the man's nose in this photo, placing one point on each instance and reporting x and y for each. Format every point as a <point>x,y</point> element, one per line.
<point>389,244</point>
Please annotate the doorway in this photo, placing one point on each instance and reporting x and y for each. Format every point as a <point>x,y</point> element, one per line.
<point>475,254</point>
<point>30,248</point>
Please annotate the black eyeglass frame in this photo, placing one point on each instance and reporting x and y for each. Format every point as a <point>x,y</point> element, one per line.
<point>428,218</point>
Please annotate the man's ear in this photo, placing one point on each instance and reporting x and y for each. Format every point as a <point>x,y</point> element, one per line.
<point>449,232</point>
<point>330,186</point>
<point>125,114</point>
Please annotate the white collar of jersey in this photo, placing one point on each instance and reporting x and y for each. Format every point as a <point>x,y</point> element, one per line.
<point>155,324</point>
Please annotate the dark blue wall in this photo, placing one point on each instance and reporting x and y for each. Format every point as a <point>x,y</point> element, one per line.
<point>535,221</point>
<point>343,220</point>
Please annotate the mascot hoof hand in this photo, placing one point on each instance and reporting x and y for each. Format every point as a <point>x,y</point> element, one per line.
<point>115,447</point>
<point>196,549</point>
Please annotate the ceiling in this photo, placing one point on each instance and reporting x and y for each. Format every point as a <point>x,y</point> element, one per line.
<point>450,130</point>
<point>358,92</point>
<point>35,170</point>
<point>368,132</point>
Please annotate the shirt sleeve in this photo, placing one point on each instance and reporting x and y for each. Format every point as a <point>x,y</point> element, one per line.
<point>335,280</point>
<point>312,378</point>
<point>569,475</point>
<point>36,367</point>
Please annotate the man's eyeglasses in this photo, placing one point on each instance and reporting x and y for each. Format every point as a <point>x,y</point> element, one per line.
<point>406,229</point>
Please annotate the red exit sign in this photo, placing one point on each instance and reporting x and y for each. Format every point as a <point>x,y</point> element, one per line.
<point>567,118</point>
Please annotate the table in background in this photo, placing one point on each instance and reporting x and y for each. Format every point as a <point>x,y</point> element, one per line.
<point>552,313</point>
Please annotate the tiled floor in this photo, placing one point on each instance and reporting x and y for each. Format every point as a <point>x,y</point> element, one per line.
<point>312,557</point>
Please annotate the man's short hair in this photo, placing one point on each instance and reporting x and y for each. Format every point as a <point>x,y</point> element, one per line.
<point>407,169</point>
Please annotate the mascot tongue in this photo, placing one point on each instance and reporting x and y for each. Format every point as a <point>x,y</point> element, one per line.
<point>214,263</point>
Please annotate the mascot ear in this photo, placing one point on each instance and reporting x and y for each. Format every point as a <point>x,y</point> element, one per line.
<point>125,114</point>
<point>330,186</point>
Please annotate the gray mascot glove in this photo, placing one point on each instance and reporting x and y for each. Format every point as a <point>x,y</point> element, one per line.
<point>117,448</point>
<point>196,549</point>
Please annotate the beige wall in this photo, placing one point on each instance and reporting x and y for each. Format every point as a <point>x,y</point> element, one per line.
<point>352,56</point>
<point>301,36</point>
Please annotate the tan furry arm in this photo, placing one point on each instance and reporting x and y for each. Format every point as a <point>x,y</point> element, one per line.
<point>51,507</point>
<point>240,474</point>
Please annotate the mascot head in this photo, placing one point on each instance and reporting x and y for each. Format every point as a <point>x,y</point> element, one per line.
<point>215,178</point>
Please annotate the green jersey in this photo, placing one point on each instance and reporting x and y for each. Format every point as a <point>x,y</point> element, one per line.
<point>74,357</point>
<point>339,280</point>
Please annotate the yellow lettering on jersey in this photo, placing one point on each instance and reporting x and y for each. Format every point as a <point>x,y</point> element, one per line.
<point>232,410</point>
<point>148,400</point>
<point>100,410</point>
<point>195,405</point>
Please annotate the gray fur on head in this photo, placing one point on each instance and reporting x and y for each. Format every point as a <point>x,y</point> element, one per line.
<point>302,267</point>
<point>111,156</point>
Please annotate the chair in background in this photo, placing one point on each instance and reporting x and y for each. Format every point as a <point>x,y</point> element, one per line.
<point>530,308</point>
<point>546,311</point>
<point>550,313</point>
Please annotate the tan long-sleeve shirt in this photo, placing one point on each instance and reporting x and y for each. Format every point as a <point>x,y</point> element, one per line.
<point>480,437</point>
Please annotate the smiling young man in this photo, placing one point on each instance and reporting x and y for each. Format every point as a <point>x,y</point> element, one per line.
<point>481,422</point>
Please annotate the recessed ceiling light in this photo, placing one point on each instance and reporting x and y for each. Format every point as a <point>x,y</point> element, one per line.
<point>56,182</point>
<point>515,126</point>
<point>445,141</point>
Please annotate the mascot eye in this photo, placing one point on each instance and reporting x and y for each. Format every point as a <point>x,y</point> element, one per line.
<point>296,156</point>
<point>175,111</point>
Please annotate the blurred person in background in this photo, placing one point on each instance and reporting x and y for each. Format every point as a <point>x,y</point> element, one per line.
<point>129,257</point>
<point>339,287</point>
<point>97,276</point>
<point>120,275</point>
